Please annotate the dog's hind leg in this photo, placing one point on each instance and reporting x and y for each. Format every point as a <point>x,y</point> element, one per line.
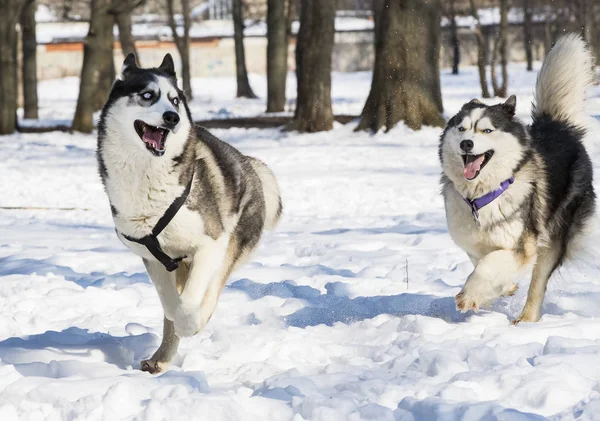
<point>205,269</point>
<point>165,352</point>
<point>235,257</point>
<point>547,261</point>
<point>494,275</point>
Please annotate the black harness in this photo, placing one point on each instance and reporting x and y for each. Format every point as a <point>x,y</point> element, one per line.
<point>151,240</point>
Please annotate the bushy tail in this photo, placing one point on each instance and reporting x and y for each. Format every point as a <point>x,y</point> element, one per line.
<point>270,188</point>
<point>562,81</point>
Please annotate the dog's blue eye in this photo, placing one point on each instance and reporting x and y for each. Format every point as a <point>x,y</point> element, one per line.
<point>461,129</point>
<point>488,131</point>
<point>148,96</point>
<point>175,101</point>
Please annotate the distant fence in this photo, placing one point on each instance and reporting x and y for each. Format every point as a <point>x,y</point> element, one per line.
<point>213,55</point>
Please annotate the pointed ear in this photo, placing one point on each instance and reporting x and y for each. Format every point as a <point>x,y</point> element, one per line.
<point>128,65</point>
<point>474,101</point>
<point>167,66</point>
<point>510,105</point>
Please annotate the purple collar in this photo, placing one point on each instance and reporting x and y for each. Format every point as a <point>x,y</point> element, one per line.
<point>488,198</point>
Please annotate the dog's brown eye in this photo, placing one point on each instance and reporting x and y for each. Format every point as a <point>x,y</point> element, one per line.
<point>461,129</point>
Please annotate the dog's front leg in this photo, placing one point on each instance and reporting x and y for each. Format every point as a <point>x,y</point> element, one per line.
<point>165,285</point>
<point>494,275</point>
<point>205,270</point>
<point>165,352</point>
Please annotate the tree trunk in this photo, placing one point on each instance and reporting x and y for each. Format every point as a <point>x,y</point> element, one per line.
<point>500,90</point>
<point>277,54</point>
<point>454,42</point>
<point>106,66</point>
<point>182,43</point>
<point>406,76</point>
<point>243,85</point>
<point>29,70</point>
<point>97,48</point>
<point>10,10</point>
<point>527,34</point>
<point>123,21</point>
<point>481,51</point>
<point>313,66</point>
<point>584,19</point>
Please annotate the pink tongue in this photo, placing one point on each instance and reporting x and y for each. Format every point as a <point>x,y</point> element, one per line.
<point>471,168</point>
<point>152,137</point>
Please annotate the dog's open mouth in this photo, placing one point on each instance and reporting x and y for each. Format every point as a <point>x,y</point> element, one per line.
<point>154,137</point>
<point>475,163</point>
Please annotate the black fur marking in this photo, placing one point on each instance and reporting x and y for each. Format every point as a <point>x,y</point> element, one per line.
<point>101,165</point>
<point>527,157</point>
<point>568,166</point>
<point>113,210</point>
<point>230,162</point>
<point>209,209</point>
<point>502,119</point>
<point>569,174</point>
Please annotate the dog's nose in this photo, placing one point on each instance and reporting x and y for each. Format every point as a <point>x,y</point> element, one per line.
<point>466,145</point>
<point>171,118</point>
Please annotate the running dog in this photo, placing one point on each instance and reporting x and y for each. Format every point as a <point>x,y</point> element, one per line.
<point>191,206</point>
<point>518,195</point>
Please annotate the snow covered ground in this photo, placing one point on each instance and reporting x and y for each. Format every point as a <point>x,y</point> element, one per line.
<point>346,312</point>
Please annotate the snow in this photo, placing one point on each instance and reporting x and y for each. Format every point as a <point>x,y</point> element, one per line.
<point>346,312</point>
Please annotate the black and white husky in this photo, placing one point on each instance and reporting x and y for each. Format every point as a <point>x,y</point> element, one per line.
<point>519,195</point>
<point>191,206</point>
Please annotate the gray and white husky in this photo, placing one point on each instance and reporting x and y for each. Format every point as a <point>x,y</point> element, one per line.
<point>191,206</point>
<point>519,195</point>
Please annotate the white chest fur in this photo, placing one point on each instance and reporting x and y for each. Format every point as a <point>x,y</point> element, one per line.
<point>141,191</point>
<point>499,225</point>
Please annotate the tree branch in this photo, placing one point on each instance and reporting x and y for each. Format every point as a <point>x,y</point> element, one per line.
<point>171,18</point>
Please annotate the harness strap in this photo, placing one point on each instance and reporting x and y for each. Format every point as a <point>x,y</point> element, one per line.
<point>150,241</point>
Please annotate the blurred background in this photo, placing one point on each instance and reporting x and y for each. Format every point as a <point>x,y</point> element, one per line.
<point>405,41</point>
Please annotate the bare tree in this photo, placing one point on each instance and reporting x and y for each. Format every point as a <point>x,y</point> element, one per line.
<point>122,11</point>
<point>500,50</point>
<point>585,18</point>
<point>527,32</point>
<point>313,66</point>
<point>454,42</point>
<point>243,85</point>
<point>97,50</point>
<point>10,11</point>
<point>182,42</point>
<point>406,76</point>
<point>277,53</point>
<point>29,67</point>
<point>481,50</point>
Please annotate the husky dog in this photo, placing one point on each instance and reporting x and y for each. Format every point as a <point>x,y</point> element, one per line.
<point>191,206</point>
<point>519,195</point>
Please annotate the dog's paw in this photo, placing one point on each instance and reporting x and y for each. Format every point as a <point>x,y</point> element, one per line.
<point>472,297</point>
<point>527,317</point>
<point>510,290</point>
<point>465,303</point>
<point>154,366</point>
